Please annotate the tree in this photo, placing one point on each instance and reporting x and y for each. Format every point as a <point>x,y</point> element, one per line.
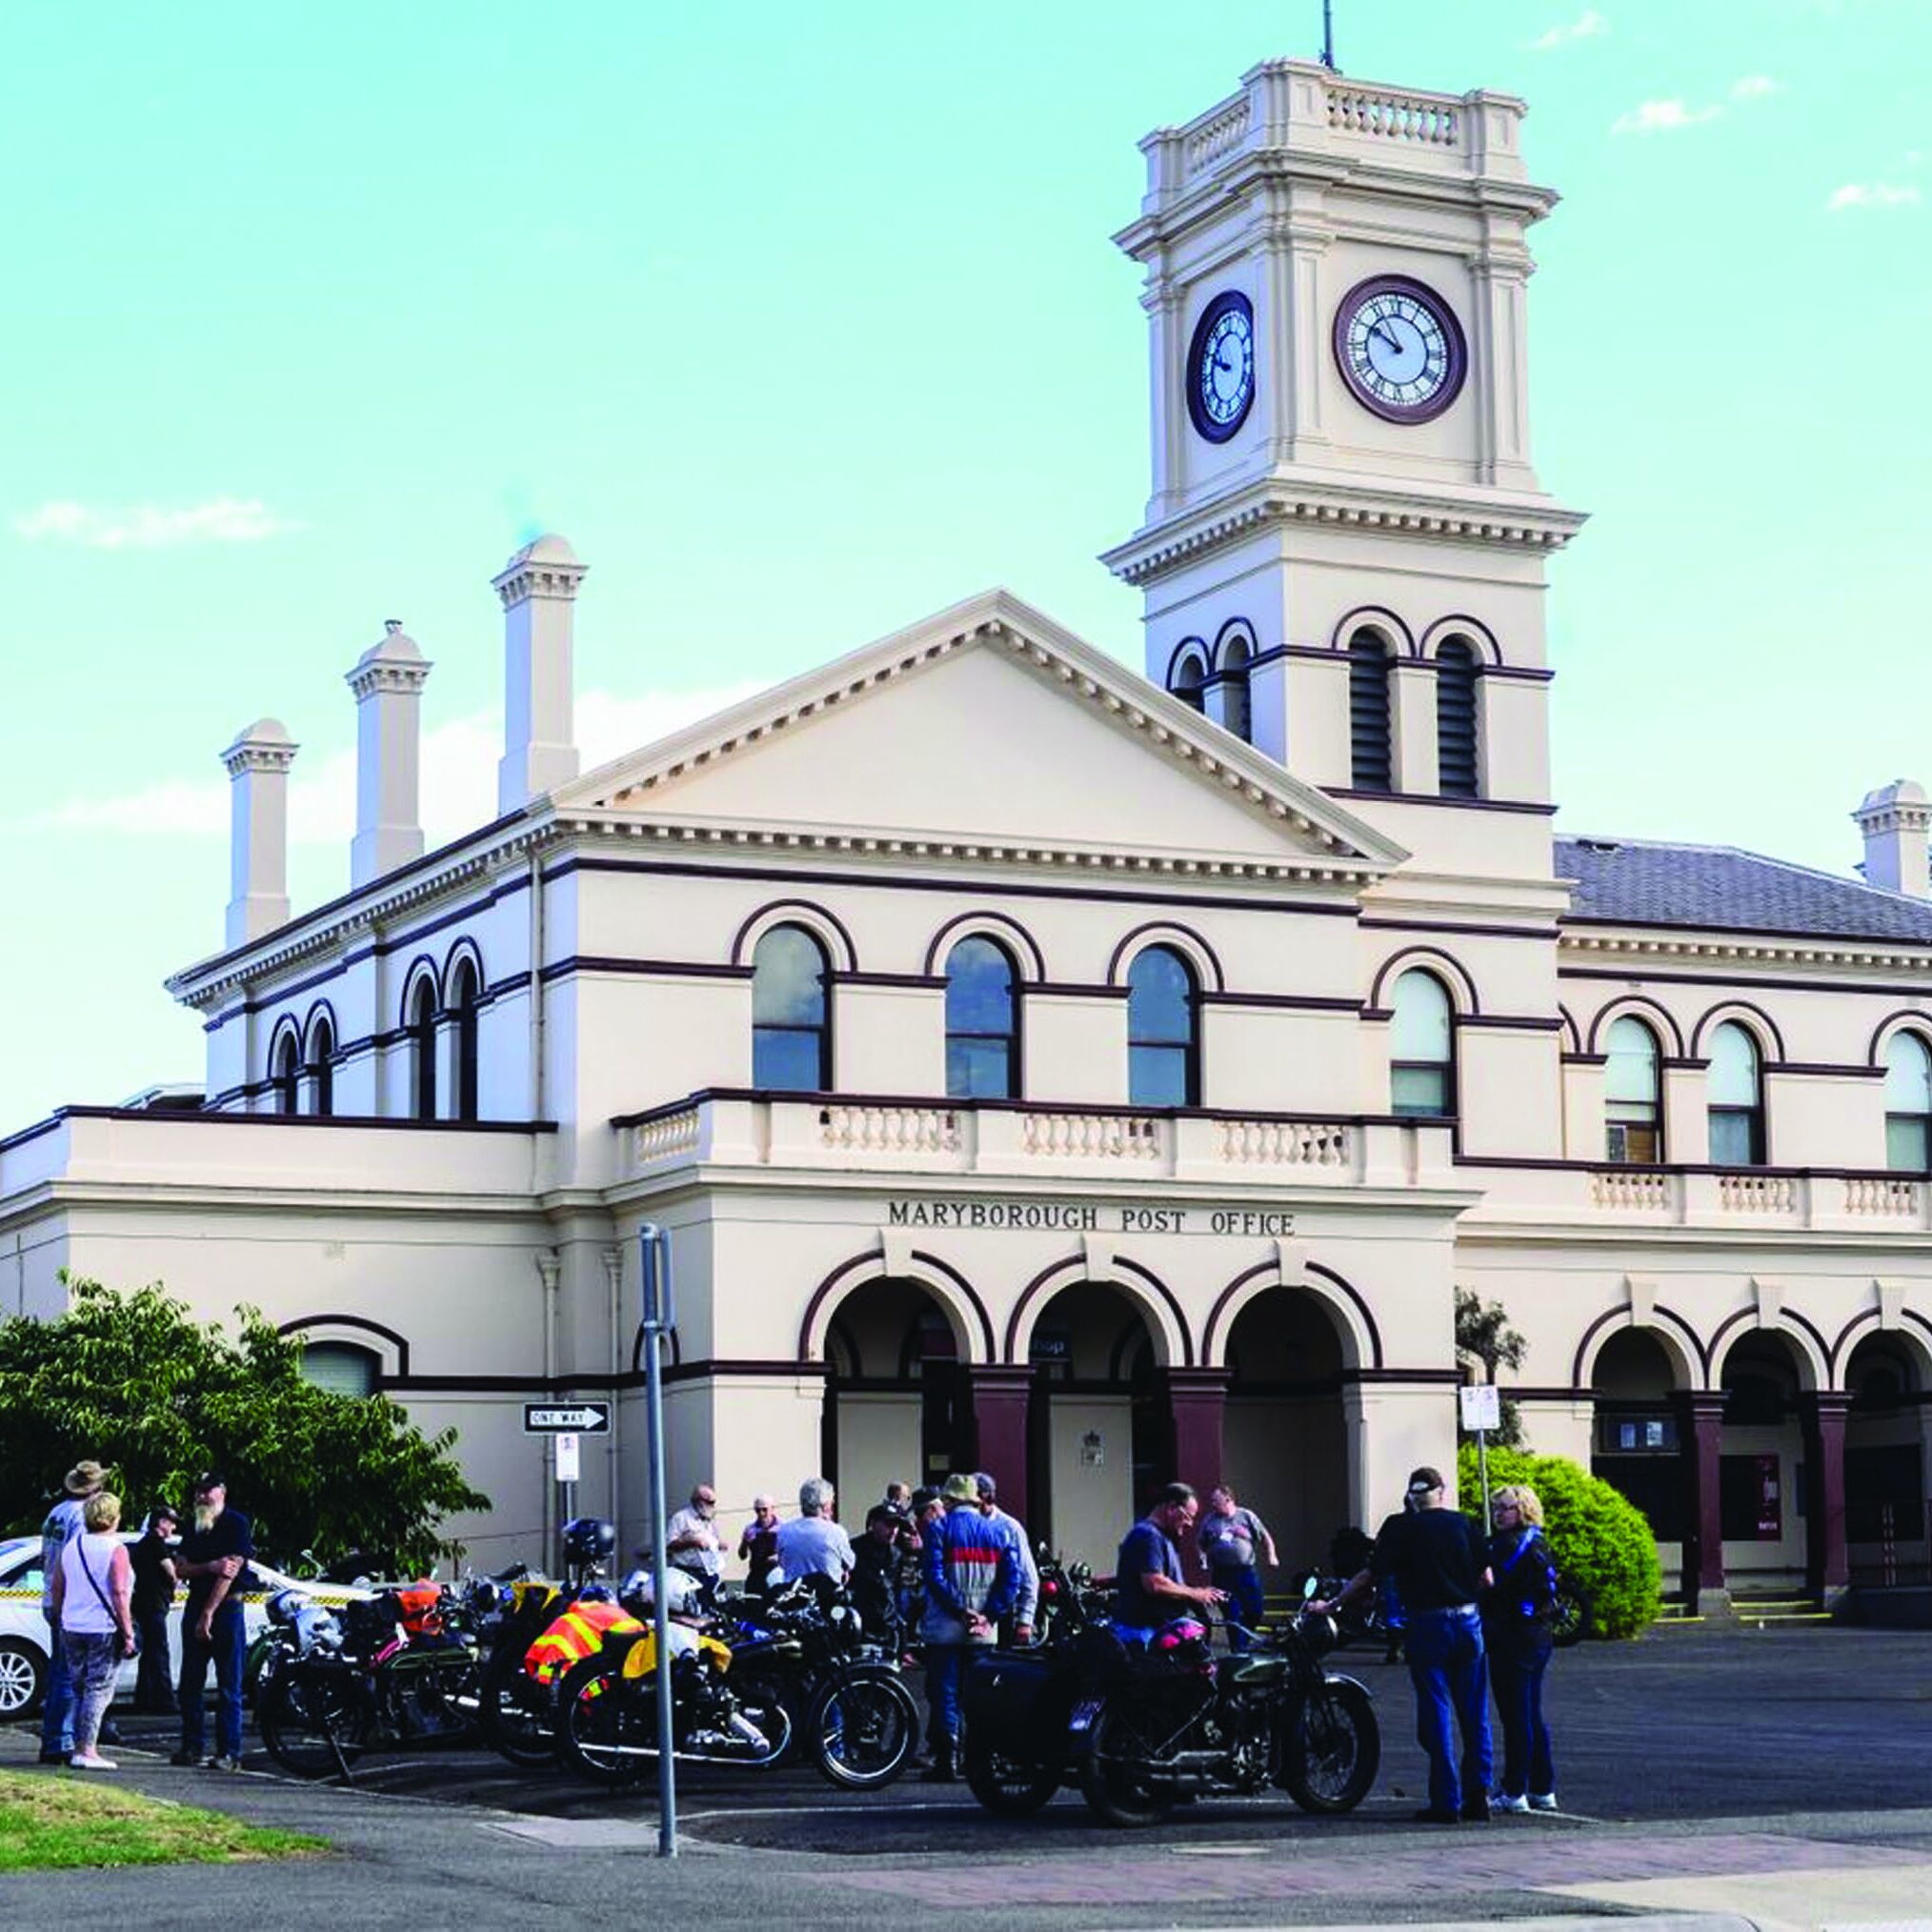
<point>132,1382</point>
<point>1483,1336</point>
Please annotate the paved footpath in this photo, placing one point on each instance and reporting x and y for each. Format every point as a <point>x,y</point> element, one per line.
<point>1657,1736</point>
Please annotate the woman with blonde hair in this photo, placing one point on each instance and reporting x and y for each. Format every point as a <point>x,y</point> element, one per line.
<point>92,1588</point>
<point>1518,1614</point>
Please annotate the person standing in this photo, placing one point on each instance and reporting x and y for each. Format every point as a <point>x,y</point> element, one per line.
<point>91,1586</point>
<point>1230,1538</point>
<point>875,1575</point>
<point>1518,1619</point>
<point>151,1560</point>
<point>1439,1563</point>
<point>693,1543</point>
<point>62,1525</point>
<point>758,1545</point>
<point>1149,1584</point>
<point>971,1580</point>
<point>812,1545</point>
<point>214,1553</point>
<point>1026,1605</point>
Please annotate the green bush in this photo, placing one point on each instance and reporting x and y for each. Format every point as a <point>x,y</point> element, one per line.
<point>1601,1540</point>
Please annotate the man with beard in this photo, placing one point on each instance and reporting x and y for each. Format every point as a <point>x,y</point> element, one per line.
<point>213,1554</point>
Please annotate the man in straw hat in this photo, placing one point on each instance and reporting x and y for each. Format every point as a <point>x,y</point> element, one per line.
<point>62,1525</point>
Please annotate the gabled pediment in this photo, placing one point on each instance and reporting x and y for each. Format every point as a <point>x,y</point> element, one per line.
<point>986,726</point>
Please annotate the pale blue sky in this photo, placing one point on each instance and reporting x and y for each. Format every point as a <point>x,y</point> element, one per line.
<point>806,324</point>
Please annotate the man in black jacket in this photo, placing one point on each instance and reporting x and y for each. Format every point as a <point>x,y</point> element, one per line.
<point>153,1559</point>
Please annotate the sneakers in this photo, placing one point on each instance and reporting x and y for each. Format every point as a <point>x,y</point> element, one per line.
<point>1475,1810</point>
<point>55,1757</point>
<point>1503,1801</point>
<point>221,1763</point>
<point>91,1761</point>
<point>1542,1801</point>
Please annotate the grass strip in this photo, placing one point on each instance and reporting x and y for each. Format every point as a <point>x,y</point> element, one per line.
<point>58,1821</point>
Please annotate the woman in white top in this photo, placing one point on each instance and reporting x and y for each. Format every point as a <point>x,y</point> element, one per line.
<point>92,1588</point>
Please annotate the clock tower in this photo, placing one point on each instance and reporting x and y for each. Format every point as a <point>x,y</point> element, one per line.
<point>1343,552</point>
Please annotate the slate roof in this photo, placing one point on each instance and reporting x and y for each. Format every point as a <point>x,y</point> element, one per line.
<point>1645,882</point>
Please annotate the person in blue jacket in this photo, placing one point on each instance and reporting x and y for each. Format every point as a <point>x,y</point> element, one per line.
<point>1519,1614</point>
<point>972,1579</point>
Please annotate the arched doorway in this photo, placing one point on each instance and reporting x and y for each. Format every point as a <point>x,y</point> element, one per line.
<point>1760,1504</point>
<point>1101,1429</point>
<point>1286,1436</point>
<point>1884,1462</point>
<point>897,1406</point>
<point>1639,1449</point>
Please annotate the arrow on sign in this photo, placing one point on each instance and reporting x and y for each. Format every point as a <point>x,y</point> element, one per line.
<point>586,1419</point>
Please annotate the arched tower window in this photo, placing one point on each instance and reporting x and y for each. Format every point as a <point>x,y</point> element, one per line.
<point>1237,711</point>
<point>1633,1110</point>
<point>791,1025</point>
<point>322,1066</point>
<point>1163,1022</point>
<point>1736,1098</point>
<point>1421,1065</point>
<point>1371,748</point>
<point>1908,1104</point>
<point>982,1015</point>
<point>1456,756</point>
<point>422,1031</point>
<point>286,1075</point>
<point>464,995</point>
<point>1190,676</point>
<point>340,1367</point>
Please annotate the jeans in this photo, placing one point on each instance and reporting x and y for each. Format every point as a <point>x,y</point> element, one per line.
<point>225,1650</point>
<point>1246,1602</point>
<point>1518,1675</point>
<point>57,1711</point>
<point>945,1667</point>
<point>1450,1671</point>
<point>94,1662</point>
<point>155,1676</point>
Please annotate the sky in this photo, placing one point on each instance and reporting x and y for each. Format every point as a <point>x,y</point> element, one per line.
<point>801,322</point>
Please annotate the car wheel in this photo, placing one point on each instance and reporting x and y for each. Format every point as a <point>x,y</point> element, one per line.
<point>23,1679</point>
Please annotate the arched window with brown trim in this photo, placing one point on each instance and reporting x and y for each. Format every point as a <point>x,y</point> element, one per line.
<point>1633,1095</point>
<point>982,1021</point>
<point>464,997</point>
<point>1457,766</point>
<point>791,1013</point>
<point>322,1065</point>
<point>285,1075</point>
<point>1421,1049</point>
<point>1908,1104</point>
<point>1163,1030</point>
<point>422,1033</point>
<point>1736,1083</point>
<point>1236,709</point>
<point>1370,737</point>
<point>1190,677</point>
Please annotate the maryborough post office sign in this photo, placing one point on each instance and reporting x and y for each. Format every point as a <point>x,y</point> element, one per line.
<point>1087,1217</point>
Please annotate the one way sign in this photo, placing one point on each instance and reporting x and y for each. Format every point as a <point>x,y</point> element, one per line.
<point>576,1419</point>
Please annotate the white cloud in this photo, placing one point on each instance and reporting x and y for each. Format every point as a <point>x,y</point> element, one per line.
<point>1661,117</point>
<point>1874,195</point>
<point>1587,25</point>
<point>1755,86</point>
<point>147,526</point>
<point>458,775</point>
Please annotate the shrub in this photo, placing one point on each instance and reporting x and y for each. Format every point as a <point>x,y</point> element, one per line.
<point>1602,1541</point>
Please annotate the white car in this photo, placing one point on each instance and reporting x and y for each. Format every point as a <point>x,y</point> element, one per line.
<point>23,1628</point>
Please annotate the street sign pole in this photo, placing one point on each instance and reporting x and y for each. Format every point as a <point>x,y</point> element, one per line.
<point>660,1313</point>
<point>1481,1406</point>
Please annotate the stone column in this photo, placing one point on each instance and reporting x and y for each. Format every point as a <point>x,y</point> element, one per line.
<point>1700,1428</point>
<point>1002,1396</point>
<point>1827,1570</point>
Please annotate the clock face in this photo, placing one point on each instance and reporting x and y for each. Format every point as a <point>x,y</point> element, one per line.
<point>1221,367</point>
<point>1399,348</point>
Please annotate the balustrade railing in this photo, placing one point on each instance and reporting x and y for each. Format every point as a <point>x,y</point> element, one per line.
<point>1395,116</point>
<point>1630,1189</point>
<point>1089,1136</point>
<point>1285,1144</point>
<point>890,1128</point>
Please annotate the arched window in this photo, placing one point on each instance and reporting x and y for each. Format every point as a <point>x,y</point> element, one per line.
<point>322,1066</point>
<point>791,1031</point>
<point>1190,674</point>
<point>1736,1098</point>
<point>1633,1110</point>
<point>1908,1104</point>
<point>463,997</point>
<point>340,1367</point>
<point>1236,711</point>
<point>422,1029</point>
<point>1420,1058</point>
<point>983,1022</point>
<point>1371,753</point>
<point>1163,1048</point>
<point>1456,763</point>
<point>285,1073</point>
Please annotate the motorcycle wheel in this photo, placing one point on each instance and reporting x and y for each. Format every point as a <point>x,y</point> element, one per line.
<point>762,1706</point>
<point>1331,1749</point>
<point>1008,1787</point>
<point>513,1712</point>
<point>301,1711</point>
<point>1571,1624</point>
<point>1114,1793</point>
<point>863,1728</point>
<point>607,1730</point>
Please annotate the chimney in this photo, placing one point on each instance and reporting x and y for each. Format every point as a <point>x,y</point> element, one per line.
<point>388,682</point>
<point>257,766</point>
<point>538,587</point>
<point>1894,820</point>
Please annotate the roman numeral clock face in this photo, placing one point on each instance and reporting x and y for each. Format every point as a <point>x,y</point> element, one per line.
<point>1399,348</point>
<point>1221,367</point>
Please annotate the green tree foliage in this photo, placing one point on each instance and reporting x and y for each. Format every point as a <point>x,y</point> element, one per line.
<point>1601,1540</point>
<point>1484,1336</point>
<point>132,1382</point>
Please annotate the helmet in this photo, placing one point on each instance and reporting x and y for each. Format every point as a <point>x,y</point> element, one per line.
<point>596,1593</point>
<point>681,1592</point>
<point>588,1540</point>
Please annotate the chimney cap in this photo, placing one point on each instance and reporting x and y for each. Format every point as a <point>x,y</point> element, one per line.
<point>548,548</point>
<point>265,731</point>
<point>1884,797</point>
<point>395,646</point>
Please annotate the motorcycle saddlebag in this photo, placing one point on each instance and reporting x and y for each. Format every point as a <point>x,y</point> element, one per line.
<point>1003,1698</point>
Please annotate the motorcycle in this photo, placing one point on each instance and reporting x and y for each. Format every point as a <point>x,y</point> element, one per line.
<point>398,1669</point>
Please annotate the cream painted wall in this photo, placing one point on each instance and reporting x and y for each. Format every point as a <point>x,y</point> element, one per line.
<point>1092,1503</point>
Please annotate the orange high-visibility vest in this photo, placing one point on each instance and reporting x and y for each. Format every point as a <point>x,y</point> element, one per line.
<point>575,1635</point>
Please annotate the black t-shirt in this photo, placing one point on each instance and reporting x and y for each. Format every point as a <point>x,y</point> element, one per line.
<point>227,1536</point>
<point>1436,1557</point>
<point>875,1580</point>
<point>1146,1551</point>
<point>153,1589</point>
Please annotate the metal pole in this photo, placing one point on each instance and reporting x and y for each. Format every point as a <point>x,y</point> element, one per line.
<point>1483,1470</point>
<point>654,1253</point>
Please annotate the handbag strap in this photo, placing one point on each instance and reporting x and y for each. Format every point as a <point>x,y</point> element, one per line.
<point>88,1570</point>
